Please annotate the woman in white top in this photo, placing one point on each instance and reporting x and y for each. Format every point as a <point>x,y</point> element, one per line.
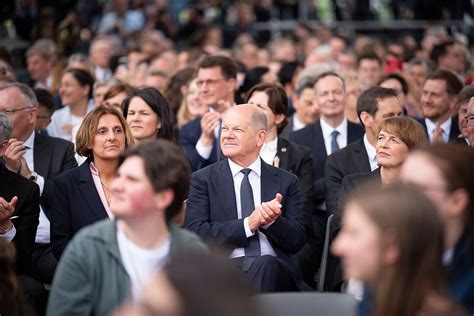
<point>76,95</point>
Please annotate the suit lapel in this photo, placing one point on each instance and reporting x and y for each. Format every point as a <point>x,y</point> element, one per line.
<point>269,182</point>
<point>89,191</point>
<point>282,153</point>
<point>224,187</point>
<point>318,139</point>
<point>42,155</point>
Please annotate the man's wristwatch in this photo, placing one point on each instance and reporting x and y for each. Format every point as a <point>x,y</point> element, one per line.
<point>33,176</point>
<point>3,232</point>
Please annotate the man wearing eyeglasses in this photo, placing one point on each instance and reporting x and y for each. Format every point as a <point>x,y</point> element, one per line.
<point>216,80</point>
<point>38,158</point>
<point>463,101</point>
<point>470,122</point>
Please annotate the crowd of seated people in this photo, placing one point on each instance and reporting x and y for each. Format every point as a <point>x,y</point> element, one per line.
<point>122,152</point>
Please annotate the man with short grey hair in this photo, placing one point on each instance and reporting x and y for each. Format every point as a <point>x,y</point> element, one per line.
<point>37,158</point>
<point>470,122</point>
<point>250,207</point>
<point>19,206</point>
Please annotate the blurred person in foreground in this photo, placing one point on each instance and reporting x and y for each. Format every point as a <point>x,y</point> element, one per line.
<point>392,240</point>
<point>445,173</point>
<point>173,290</point>
<point>151,184</point>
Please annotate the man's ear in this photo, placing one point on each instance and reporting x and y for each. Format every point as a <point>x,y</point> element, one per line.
<point>366,119</point>
<point>453,103</point>
<point>261,135</point>
<point>232,85</point>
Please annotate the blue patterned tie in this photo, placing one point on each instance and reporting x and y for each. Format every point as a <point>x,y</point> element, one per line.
<point>247,205</point>
<point>334,145</point>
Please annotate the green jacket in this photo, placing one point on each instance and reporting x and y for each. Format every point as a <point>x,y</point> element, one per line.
<point>91,279</point>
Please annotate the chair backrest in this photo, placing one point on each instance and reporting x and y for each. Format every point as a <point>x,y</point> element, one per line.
<point>306,304</point>
<point>324,257</point>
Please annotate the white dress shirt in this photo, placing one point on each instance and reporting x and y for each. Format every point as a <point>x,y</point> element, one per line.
<point>371,153</point>
<point>445,127</point>
<point>327,131</point>
<point>255,182</point>
<point>43,231</point>
<point>297,124</point>
<point>64,116</point>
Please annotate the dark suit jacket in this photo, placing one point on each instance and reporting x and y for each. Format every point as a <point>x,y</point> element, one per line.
<point>453,132</point>
<point>349,160</point>
<point>461,272</point>
<point>188,138</point>
<point>298,160</point>
<point>51,157</point>
<point>459,140</point>
<point>350,183</point>
<point>312,137</point>
<point>212,211</point>
<point>76,203</point>
<point>27,210</point>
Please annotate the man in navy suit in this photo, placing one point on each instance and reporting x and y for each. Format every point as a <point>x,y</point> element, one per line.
<point>250,207</point>
<point>329,134</point>
<point>439,104</point>
<point>39,159</point>
<point>216,80</point>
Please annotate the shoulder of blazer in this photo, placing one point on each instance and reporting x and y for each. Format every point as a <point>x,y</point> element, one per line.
<point>81,173</point>
<point>41,139</point>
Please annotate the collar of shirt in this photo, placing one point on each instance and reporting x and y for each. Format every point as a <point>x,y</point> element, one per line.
<point>371,153</point>
<point>327,129</point>
<point>297,124</point>
<point>255,166</point>
<point>30,141</point>
<point>445,126</point>
<point>269,150</point>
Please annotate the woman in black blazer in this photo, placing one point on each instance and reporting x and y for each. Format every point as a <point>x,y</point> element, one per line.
<point>396,138</point>
<point>81,195</point>
<point>286,155</point>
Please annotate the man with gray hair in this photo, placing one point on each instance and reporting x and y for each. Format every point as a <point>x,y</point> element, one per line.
<point>470,122</point>
<point>250,207</point>
<point>19,206</point>
<point>37,158</point>
<point>40,59</point>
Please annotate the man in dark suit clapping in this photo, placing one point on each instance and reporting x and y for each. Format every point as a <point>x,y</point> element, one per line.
<point>250,207</point>
<point>37,158</point>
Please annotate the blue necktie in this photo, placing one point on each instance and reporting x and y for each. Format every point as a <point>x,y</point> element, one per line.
<point>247,206</point>
<point>334,145</point>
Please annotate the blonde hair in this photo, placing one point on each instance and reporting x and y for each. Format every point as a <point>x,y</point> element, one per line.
<point>407,129</point>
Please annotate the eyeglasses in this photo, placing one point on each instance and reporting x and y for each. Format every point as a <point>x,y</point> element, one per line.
<point>11,111</point>
<point>209,82</point>
<point>469,119</point>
